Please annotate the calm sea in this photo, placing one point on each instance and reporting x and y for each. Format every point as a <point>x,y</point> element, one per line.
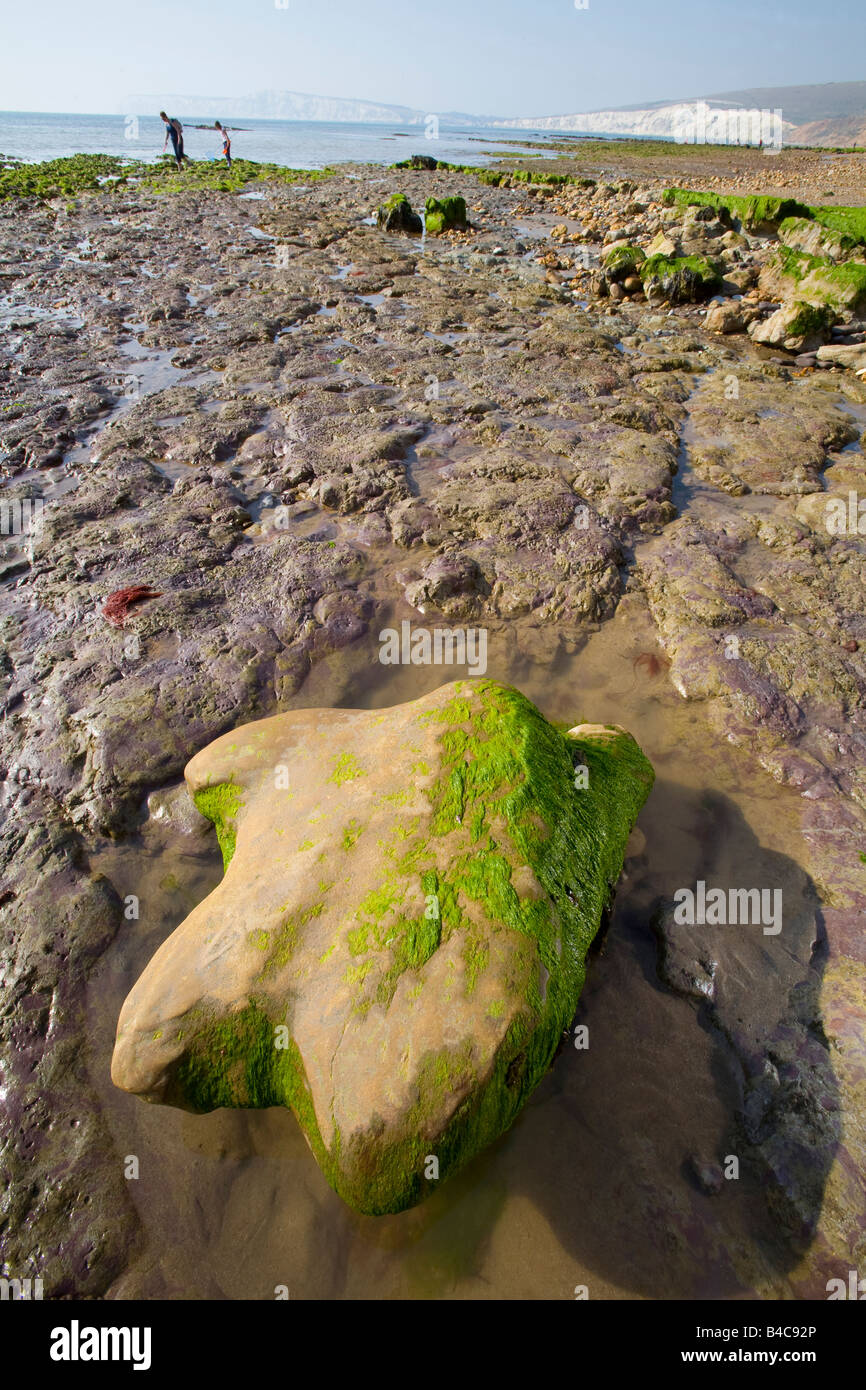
<point>34,135</point>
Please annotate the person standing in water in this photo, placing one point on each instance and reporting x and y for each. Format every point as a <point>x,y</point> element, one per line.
<point>227,144</point>
<point>174,132</point>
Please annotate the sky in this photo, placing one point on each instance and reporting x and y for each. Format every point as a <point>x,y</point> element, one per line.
<point>490,57</point>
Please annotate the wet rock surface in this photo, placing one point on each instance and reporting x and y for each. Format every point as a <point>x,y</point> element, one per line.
<point>297,430</point>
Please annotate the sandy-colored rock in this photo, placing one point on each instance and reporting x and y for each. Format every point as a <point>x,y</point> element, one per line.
<point>851,355</point>
<point>796,326</point>
<point>725,318</point>
<point>399,939</point>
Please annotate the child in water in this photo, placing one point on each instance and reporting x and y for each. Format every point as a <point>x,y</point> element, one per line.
<point>227,144</point>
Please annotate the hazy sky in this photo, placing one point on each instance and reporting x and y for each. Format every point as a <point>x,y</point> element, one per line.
<point>496,57</point>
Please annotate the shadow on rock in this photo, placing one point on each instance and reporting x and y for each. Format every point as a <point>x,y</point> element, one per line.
<point>684,1153</point>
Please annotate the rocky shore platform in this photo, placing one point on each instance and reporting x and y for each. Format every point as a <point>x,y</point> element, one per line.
<point>614,423</point>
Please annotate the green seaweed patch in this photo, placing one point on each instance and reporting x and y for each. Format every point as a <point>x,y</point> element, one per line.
<point>753,211</point>
<point>237,1062</point>
<point>757,211</point>
<point>54,178</point>
<point>837,243</point>
<point>838,286</point>
<point>414,942</point>
<point>97,173</point>
<point>352,834</point>
<point>383,928</point>
<point>220,804</point>
<point>288,934</point>
<point>476,958</point>
<point>503,764</point>
<point>346,769</point>
<point>850,223</point>
<point>398,798</point>
<point>818,280</point>
<point>498,178</point>
<point>548,179</point>
<point>796,264</point>
<point>383,1179</point>
<point>215,177</point>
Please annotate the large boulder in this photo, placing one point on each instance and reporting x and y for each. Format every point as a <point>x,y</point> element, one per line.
<point>804,234</point>
<point>796,326</point>
<point>663,245</point>
<point>791,274</point>
<point>761,213</point>
<point>680,279</point>
<point>840,287</point>
<point>852,355</point>
<point>400,937</point>
<point>730,316</point>
<point>446,215</point>
<point>397,216</point>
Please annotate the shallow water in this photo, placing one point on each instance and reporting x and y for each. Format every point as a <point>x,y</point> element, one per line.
<point>15,314</point>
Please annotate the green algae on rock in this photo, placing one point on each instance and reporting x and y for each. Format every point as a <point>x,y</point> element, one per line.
<point>394,954</point>
<point>804,234</point>
<point>815,280</point>
<point>765,213</point>
<point>797,326</point>
<point>397,215</point>
<point>445,214</point>
<point>756,212</point>
<point>679,279</point>
<point>621,262</point>
<point>220,804</point>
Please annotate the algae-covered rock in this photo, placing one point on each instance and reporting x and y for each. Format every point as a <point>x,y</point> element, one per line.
<point>803,234</point>
<point>797,327</point>
<point>839,287</point>
<point>756,212</point>
<point>400,936</point>
<point>680,279</point>
<point>792,274</point>
<point>397,216</point>
<point>445,214</point>
<point>417,161</point>
<point>622,261</point>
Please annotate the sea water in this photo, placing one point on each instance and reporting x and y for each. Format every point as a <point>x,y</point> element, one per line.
<point>33,135</point>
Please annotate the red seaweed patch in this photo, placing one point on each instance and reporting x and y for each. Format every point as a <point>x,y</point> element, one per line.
<point>119,603</point>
